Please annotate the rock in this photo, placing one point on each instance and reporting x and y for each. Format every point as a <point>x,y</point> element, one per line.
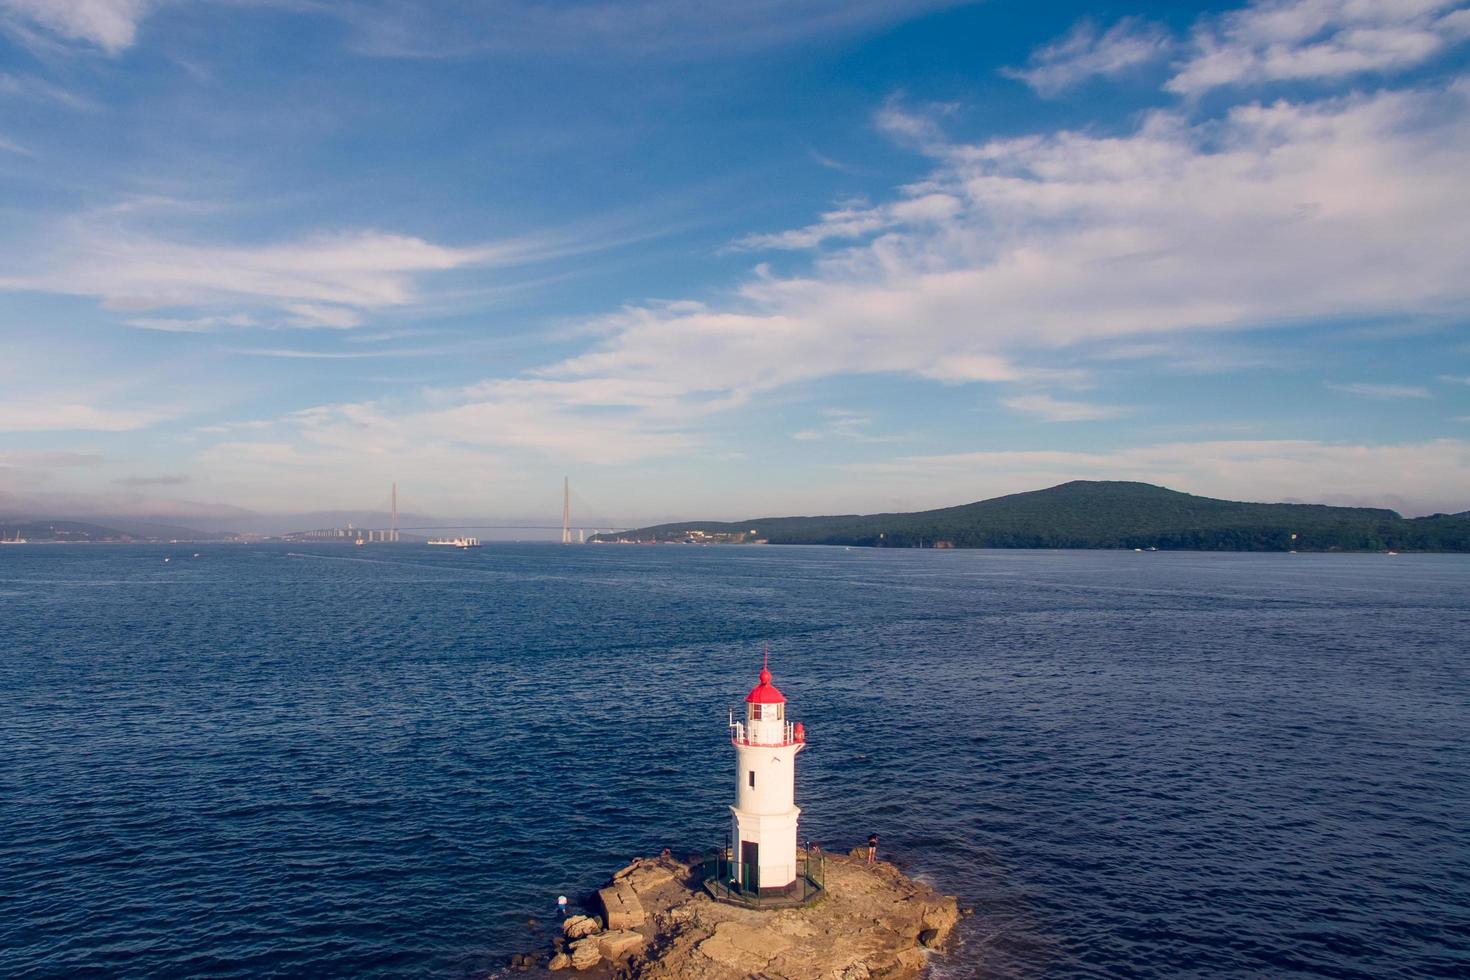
<point>585,953</point>
<point>870,924</point>
<point>622,907</point>
<point>941,917</point>
<point>617,945</point>
<point>580,925</point>
<point>912,960</point>
<point>743,947</point>
<point>645,876</point>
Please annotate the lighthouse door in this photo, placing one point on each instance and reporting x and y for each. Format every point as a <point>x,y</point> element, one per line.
<point>750,857</point>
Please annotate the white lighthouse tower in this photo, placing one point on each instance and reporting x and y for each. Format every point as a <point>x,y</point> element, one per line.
<point>763,819</point>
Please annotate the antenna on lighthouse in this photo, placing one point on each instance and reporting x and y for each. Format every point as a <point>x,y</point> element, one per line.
<point>566,510</point>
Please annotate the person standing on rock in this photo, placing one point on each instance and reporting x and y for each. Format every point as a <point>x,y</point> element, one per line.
<point>872,849</point>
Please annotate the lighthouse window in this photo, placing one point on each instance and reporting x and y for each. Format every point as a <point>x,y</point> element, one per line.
<point>752,779</point>
<point>755,712</point>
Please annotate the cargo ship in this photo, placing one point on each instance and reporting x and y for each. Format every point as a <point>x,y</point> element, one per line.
<point>455,542</point>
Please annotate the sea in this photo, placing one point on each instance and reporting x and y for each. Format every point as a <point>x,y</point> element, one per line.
<point>388,761</point>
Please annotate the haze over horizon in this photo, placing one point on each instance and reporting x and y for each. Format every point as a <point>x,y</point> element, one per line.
<point>733,260</point>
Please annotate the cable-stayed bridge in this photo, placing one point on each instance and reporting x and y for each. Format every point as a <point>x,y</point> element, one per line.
<point>367,534</point>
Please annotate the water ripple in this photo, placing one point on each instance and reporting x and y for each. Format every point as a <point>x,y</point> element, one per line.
<point>266,764</point>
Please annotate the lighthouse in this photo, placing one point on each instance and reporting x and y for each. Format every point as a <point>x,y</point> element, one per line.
<point>763,819</point>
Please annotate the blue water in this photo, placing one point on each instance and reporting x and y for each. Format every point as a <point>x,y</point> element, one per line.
<point>382,762</point>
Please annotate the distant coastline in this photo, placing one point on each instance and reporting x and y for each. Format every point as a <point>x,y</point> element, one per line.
<point>1089,514</point>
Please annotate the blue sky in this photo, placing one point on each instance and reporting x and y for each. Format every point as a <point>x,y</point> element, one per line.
<point>725,260</point>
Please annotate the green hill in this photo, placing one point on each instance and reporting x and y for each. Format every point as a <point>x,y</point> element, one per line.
<point>1102,514</point>
<point>49,531</point>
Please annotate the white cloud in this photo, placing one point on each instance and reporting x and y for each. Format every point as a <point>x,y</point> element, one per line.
<point>842,425</point>
<point>1006,252</point>
<point>109,24</point>
<point>38,416</point>
<point>200,324</point>
<point>1415,478</point>
<point>1452,379</point>
<point>1275,213</point>
<point>1288,40</point>
<point>320,281</point>
<point>47,459</point>
<point>1085,53</point>
<point>39,90</point>
<point>856,222</point>
<point>669,28</point>
<point>323,355</point>
<point>1052,409</point>
<point>1371,390</point>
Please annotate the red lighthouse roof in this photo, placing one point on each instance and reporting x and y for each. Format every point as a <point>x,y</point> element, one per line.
<point>765,692</point>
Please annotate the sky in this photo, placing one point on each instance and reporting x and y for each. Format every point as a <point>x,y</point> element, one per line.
<point>729,259</point>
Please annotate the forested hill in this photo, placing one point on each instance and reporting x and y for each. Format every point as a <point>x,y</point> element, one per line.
<point>1098,514</point>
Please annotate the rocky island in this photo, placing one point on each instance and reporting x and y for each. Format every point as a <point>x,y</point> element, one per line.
<point>658,921</point>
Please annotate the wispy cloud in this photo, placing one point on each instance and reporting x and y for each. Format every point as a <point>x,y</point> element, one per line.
<point>325,355</point>
<point>1052,409</point>
<point>1085,53</point>
<point>325,280</point>
<point>667,28</point>
<point>831,163</point>
<point>39,90</point>
<point>1288,40</point>
<point>856,222</point>
<point>198,324</point>
<point>162,480</point>
<point>9,146</point>
<point>1371,390</point>
<point>1289,211</point>
<point>48,458</point>
<point>111,25</point>
<point>1294,210</point>
<point>842,425</point>
<point>1456,379</point>
<point>37,416</point>
<point>334,280</point>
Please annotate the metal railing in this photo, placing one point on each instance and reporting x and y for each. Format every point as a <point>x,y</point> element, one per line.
<point>739,735</point>
<point>737,882</point>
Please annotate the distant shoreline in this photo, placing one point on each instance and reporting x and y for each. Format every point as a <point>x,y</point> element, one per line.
<point>1092,515</point>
